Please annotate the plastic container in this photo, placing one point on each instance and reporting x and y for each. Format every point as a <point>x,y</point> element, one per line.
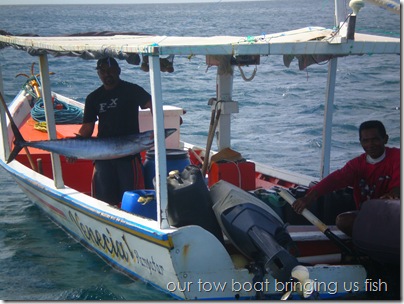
<point>189,201</point>
<point>131,203</point>
<point>176,160</point>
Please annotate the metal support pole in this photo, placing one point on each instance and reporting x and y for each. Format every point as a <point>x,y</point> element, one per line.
<point>159,141</point>
<point>340,15</point>
<point>224,83</point>
<point>328,112</point>
<point>50,118</point>
<point>340,12</point>
<point>5,150</point>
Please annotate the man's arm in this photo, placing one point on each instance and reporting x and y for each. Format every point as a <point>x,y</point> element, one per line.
<point>394,192</point>
<point>86,129</point>
<point>336,180</point>
<point>300,204</point>
<point>148,105</point>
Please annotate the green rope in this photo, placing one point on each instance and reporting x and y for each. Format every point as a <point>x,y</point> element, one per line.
<point>64,113</point>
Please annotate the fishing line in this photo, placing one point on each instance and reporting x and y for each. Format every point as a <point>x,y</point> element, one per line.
<point>338,28</point>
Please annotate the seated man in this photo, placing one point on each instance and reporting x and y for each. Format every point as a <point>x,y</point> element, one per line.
<point>373,174</point>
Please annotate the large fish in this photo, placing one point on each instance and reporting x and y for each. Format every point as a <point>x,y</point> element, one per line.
<point>90,148</point>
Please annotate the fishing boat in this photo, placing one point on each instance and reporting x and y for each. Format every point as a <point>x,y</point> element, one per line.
<point>216,227</point>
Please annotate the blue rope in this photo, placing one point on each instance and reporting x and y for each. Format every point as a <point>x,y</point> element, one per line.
<point>64,113</point>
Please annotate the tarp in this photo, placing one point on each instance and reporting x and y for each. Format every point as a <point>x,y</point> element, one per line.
<point>131,58</point>
<point>309,45</point>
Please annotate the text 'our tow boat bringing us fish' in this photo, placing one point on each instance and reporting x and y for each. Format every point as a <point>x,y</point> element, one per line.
<point>198,232</point>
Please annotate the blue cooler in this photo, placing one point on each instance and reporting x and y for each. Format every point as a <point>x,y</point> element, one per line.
<point>176,160</point>
<point>130,203</point>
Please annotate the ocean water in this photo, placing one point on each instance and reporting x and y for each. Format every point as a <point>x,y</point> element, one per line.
<point>279,121</point>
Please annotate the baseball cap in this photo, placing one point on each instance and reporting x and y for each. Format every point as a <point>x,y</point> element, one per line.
<point>108,60</point>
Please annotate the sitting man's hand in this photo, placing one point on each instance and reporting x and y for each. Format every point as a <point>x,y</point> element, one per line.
<point>301,203</point>
<point>393,194</point>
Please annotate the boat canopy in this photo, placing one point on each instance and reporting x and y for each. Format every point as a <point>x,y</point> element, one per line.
<point>309,41</point>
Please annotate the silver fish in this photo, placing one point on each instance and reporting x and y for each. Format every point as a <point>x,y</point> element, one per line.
<point>90,148</point>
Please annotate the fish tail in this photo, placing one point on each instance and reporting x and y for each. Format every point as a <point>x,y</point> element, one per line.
<point>19,143</point>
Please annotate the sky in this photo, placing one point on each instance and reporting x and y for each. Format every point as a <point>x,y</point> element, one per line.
<point>32,2</point>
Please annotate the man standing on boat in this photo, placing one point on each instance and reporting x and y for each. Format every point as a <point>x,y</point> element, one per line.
<point>374,174</point>
<point>115,105</point>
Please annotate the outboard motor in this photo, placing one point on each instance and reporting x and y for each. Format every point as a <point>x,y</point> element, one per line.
<point>254,228</point>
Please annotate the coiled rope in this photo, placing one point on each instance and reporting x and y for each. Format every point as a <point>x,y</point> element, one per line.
<point>243,75</point>
<point>64,113</point>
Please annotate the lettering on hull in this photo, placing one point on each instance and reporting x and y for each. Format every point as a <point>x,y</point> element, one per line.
<point>115,248</point>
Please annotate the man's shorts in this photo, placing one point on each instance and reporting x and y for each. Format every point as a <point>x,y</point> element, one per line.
<point>111,178</point>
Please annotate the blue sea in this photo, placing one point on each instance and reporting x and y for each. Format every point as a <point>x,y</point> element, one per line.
<point>279,121</point>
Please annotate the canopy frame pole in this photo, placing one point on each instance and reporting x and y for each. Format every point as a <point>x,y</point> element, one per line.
<point>329,99</point>
<point>50,118</point>
<point>159,140</point>
<point>328,115</point>
<point>224,94</point>
<point>340,11</point>
<point>5,150</point>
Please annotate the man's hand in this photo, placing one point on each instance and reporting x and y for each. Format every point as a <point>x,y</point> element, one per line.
<point>301,203</point>
<point>393,194</point>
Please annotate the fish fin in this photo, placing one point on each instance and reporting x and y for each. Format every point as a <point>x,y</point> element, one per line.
<point>18,143</point>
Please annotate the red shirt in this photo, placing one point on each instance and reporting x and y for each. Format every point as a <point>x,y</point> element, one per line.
<point>369,181</point>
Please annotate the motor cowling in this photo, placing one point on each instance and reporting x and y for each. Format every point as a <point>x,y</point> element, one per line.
<point>254,228</point>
